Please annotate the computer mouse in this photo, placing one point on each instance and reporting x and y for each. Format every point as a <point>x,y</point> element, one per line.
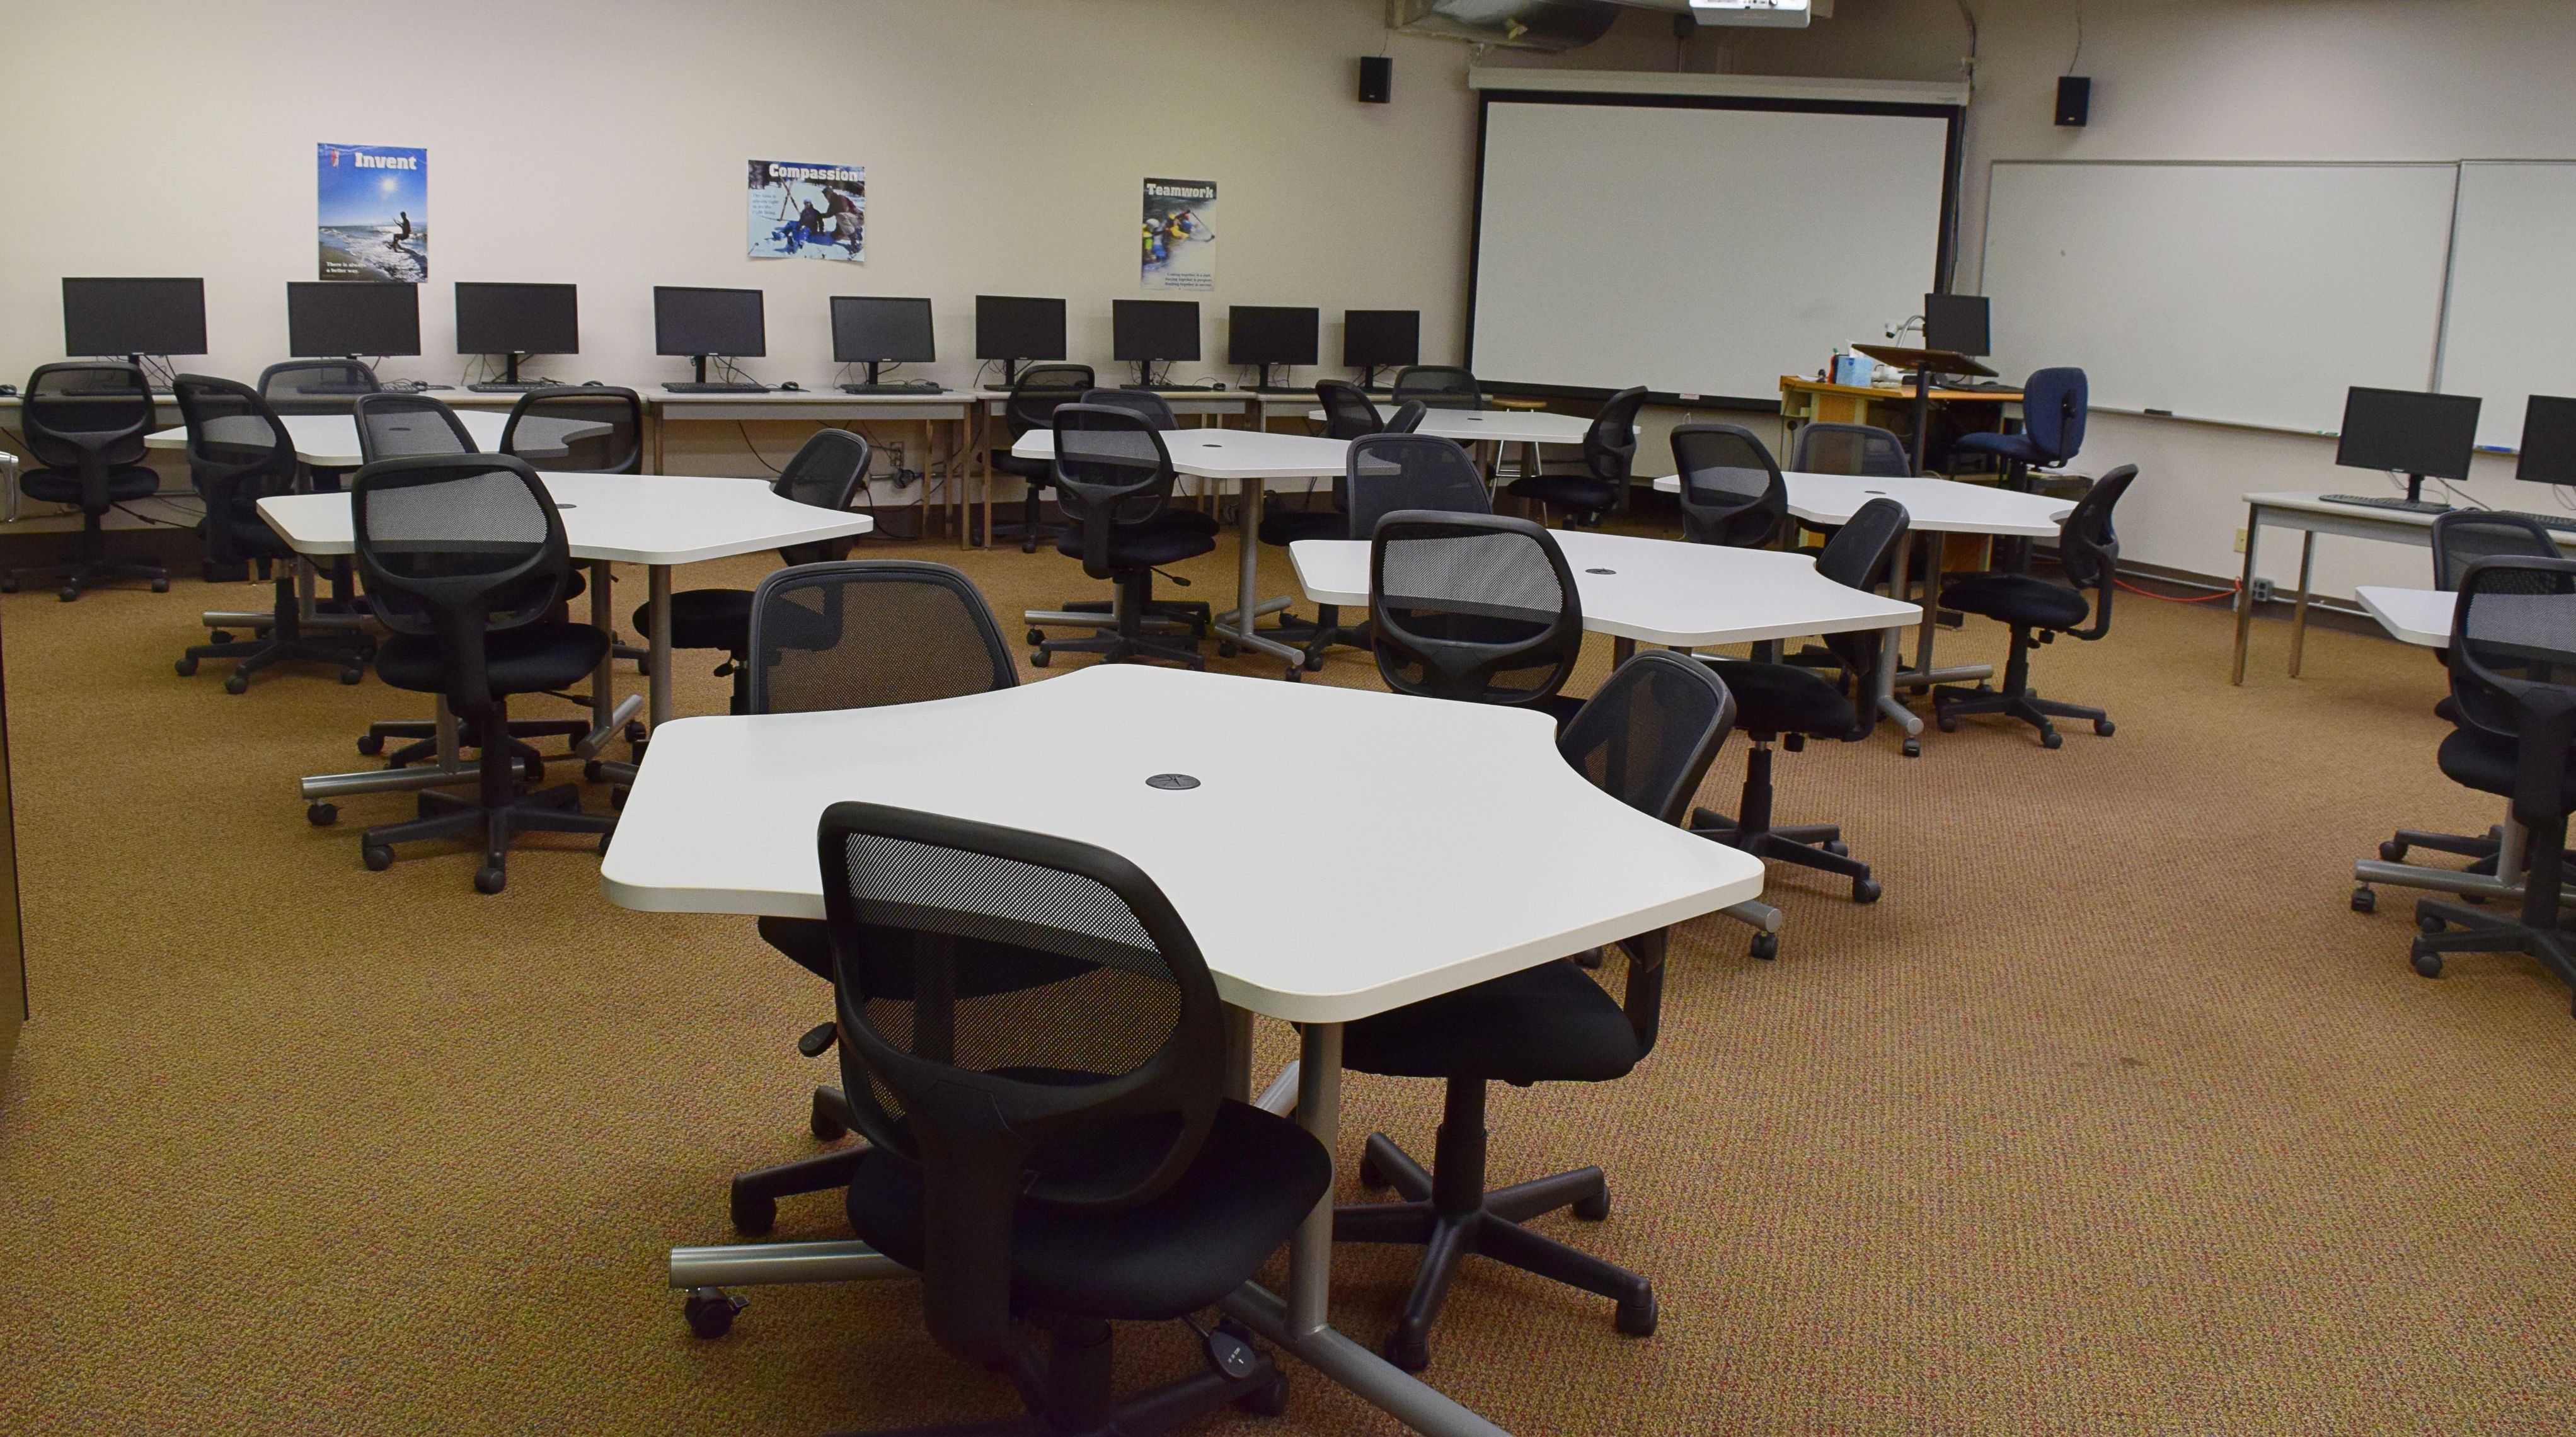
<point>590,384</point>
<point>8,391</point>
<point>793,385</point>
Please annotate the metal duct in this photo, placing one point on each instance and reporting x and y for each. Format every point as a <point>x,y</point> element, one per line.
<point>1521,24</point>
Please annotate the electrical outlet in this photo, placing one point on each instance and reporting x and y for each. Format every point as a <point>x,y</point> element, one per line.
<point>2240,541</point>
<point>2262,591</point>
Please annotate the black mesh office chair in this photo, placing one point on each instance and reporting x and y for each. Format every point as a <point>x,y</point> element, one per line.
<point>1058,1156</point>
<point>2038,611</point>
<point>1479,607</point>
<point>1862,449</point>
<point>1646,738</point>
<point>316,386</point>
<point>1113,478</point>
<point>1600,487</point>
<point>1732,492</point>
<point>238,454</point>
<point>463,557</point>
<point>1034,399</point>
<point>1348,414</point>
<point>1792,703</point>
<point>84,425</point>
<point>826,472</point>
<point>399,426</point>
<point>577,429</point>
<point>1145,404</point>
<point>1396,469</point>
<point>1440,386</point>
<point>855,635</point>
<point>2513,681</point>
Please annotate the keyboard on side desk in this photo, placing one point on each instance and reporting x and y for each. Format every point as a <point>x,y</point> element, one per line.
<point>715,387</point>
<point>922,387</point>
<point>2555,523</point>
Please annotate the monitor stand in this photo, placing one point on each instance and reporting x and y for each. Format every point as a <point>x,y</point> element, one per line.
<point>1144,374</point>
<point>698,368</point>
<point>1264,382</point>
<point>1368,376</point>
<point>509,382</point>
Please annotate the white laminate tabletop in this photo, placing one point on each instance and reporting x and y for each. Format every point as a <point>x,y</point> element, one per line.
<point>624,518</point>
<point>330,441</point>
<point>1228,453</point>
<point>1658,591</point>
<point>1463,846</point>
<point>1494,426</point>
<point>2418,616</point>
<point>1941,506</point>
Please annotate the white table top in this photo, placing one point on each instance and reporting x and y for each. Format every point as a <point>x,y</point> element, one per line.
<point>1493,426</point>
<point>2418,616</point>
<point>330,441</point>
<point>831,395</point>
<point>1659,591</point>
<point>624,518</point>
<point>1228,453</point>
<point>1940,506</point>
<point>1448,825</point>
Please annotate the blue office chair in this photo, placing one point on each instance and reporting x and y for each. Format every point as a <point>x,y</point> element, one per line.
<point>2053,403</point>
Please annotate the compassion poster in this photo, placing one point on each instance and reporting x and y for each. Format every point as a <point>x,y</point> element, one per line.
<point>1180,234</point>
<point>806,211</point>
<point>374,206</point>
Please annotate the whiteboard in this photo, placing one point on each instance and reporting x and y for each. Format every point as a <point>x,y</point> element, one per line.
<point>1697,251</point>
<point>2249,293</point>
<point>2513,289</point>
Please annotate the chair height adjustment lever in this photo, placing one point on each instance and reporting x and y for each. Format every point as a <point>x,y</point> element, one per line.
<point>1174,579</point>
<point>818,1042</point>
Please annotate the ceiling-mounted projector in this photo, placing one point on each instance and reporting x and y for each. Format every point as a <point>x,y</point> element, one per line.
<point>1782,14</point>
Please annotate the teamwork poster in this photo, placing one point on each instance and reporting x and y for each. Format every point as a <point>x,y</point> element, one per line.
<point>374,206</point>
<point>801,211</point>
<point>1180,234</point>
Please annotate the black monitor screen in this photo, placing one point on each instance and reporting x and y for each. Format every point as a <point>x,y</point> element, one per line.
<point>134,316</point>
<point>346,318</point>
<point>1374,338</point>
<point>2409,432</point>
<point>1154,329</point>
<point>517,319</point>
<point>708,321</point>
<point>1008,327</point>
<point>2548,441</point>
<point>885,331</point>
<point>1957,323</point>
<point>1265,334</point>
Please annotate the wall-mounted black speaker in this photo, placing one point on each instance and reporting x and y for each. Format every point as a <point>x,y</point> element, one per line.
<point>1377,79</point>
<point>2074,99</point>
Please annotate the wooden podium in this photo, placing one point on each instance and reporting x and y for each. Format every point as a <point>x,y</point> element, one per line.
<point>1925,363</point>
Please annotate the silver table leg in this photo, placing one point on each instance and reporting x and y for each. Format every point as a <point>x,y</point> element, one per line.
<point>2245,593</point>
<point>1237,625</point>
<point>2299,609</point>
<point>450,768</point>
<point>1891,652</point>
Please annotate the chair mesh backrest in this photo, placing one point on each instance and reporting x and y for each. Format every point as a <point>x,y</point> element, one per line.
<point>2513,657</point>
<point>1610,445</point>
<point>1348,414</point>
<point>869,633</point>
<point>2086,542</point>
<point>1859,556</point>
<point>316,386</point>
<point>238,452</point>
<point>2464,536</point>
<point>1041,388</point>
<point>578,429</point>
<point>1860,449</point>
<point>1647,735</point>
<point>1110,456</point>
<point>1407,417</point>
<point>1388,472</point>
<point>1440,386</point>
<point>1732,491</point>
<point>1478,607</point>
<point>401,426</point>
<point>1144,403</point>
<point>449,543</point>
<point>2053,407</point>
<point>96,412</point>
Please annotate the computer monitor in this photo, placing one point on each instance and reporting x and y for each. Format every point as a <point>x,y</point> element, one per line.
<point>134,317</point>
<point>343,317</point>
<point>873,332</point>
<point>701,322</point>
<point>1269,334</point>
<point>1375,339</point>
<point>2419,435</point>
<point>2548,441</point>
<point>1147,332</point>
<point>516,319</point>
<point>1012,329</point>
<point>1957,323</point>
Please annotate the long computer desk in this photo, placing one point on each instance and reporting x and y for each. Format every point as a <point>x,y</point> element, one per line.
<point>955,409</point>
<point>1185,403</point>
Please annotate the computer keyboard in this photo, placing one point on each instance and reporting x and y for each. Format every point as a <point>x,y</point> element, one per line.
<point>921,386</point>
<point>1989,386</point>
<point>2382,501</point>
<point>2555,523</point>
<point>715,387</point>
<point>498,388</point>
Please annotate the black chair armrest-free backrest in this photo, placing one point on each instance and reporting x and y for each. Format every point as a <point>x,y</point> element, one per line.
<point>2513,672</point>
<point>1732,491</point>
<point>2464,536</point>
<point>238,451</point>
<point>1610,445</point>
<point>1042,387</point>
<point>1153,408</point>
<point>618,451</point>
<point>88,418</point>
<point>1859,556</point>
<point>827,471</point>
<point>1442,386</point>
<point>1348,414</point>
<point>2089,548</point>
<point>458,546</point>
<point>1407,417</point>
<point>1476,607</point>
<point>869,632</point>
<point>1858,449</point>
<point>1092,1093</point>
<point>398,426</point>
<point>1111,470</point>
<point>1387,472</point>
<point>316,386</point>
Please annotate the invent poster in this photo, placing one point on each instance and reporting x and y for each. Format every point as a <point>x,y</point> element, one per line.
<point>802,211</point>
<point>1180,234</point>
<point>374,207</point>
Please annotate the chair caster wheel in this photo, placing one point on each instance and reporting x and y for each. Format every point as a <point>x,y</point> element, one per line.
<point>67,593</point>
<point>1028,546</point>
<point>1637,1317</point>
<point>2364,901</point>
<point>1766,946</point>
<point>710,1312</point>
<point>1949,722</point>
<point>533,769</point>
<point>2105,728</point>
<point>1314,663</point>
<point>219,636</point>
<point>237,684</point>
<point>593,771</point>
<point>160,586</point>
<point>1407,1354</point>
<point>321,815</point>
<point>377,857</point>
<point>187,668</point>
<point>1595,1208</point>
<point>1227,651</point>
<point>617,799</point>
<point>2392,852</point>
<point>825,1127</point>
<point>2052,739</point>
<point>1588,958</point>
<point>1036,637</point>
<point>603,843</point>
<point>1914,748</point>
<point>491,878</point>
<point>1373,1177</point>
<point>352,677</point>
<point>1268,1399</point>
<point>1038,659</point>
<point>371,744</point>
<point>2427,963</point>
<point>1837,848</point>
<point>1295,674</point>
<point>634,731</point>
<point>753,1215</point>
<point>2427,923</point>
<point>1866,890</point>
<point>8,586</point>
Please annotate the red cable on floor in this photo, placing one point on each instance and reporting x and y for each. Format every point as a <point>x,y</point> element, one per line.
<point>2227,593</point>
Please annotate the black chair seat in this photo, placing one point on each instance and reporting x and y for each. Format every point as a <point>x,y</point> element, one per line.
<point>705,619</point>
<point>1565,491</point>
<point>1248,1187</point>
<point>2010,446</point>
<point>1283,527</point>
<point>2018,599</point>
<point>1036,471</point>
<point>2486,763</point>
<point>532,658</point>
<point>63,486</point>
<point>1548,1024</point>
<point>1169,537</point>
<point>1783,698</point>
